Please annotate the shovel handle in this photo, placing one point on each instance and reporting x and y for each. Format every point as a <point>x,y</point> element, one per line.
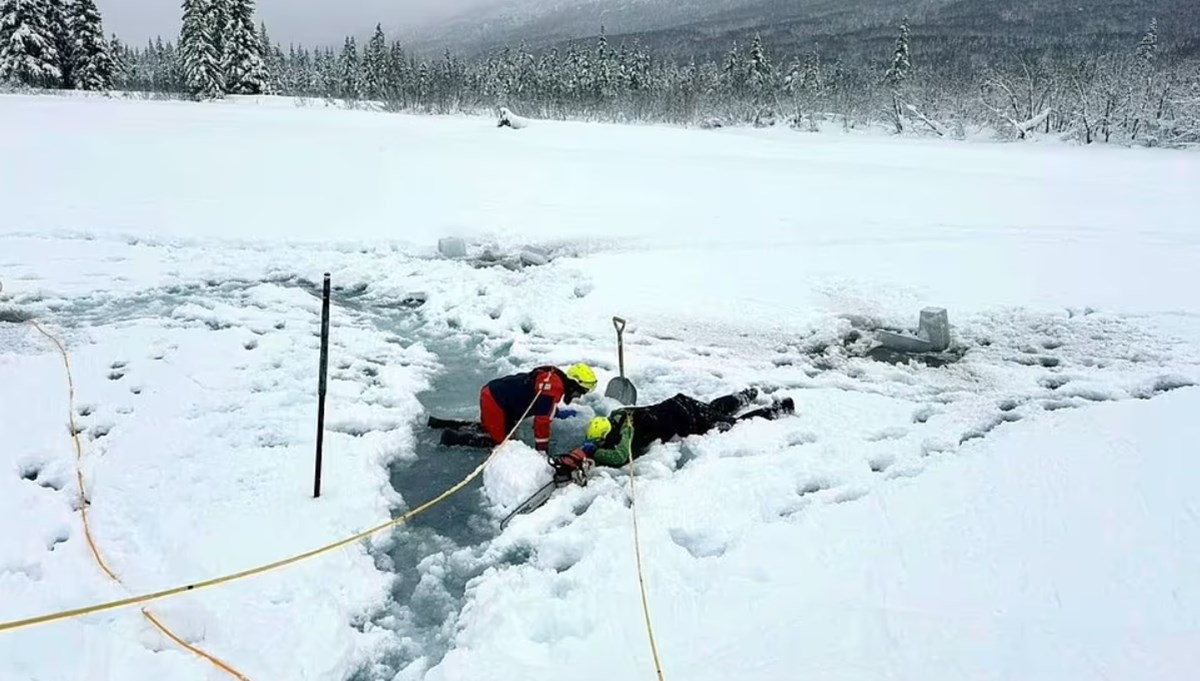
<point>619,324</point>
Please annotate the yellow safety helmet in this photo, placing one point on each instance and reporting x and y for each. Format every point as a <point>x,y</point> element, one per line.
<point>583,375</point>
<point>599,428</point>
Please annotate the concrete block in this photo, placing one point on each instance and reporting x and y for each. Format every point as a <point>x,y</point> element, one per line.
<point>532,255</point>
<point>452,247</point>
<point>935,328</point>
<point>902,342</point>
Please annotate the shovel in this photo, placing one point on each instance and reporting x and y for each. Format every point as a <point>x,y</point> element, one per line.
<point>621,389</point>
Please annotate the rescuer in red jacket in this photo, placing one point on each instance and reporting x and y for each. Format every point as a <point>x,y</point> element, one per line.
<point>504,402</point>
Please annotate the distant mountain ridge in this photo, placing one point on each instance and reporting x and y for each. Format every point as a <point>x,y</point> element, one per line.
<point>968,29</point>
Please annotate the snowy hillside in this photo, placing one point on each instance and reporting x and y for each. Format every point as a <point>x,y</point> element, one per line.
<point>1025,512</point>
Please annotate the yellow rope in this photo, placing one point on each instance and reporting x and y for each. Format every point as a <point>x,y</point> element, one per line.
<point>188,588</point>
<point>84,502</point>
<point>637,552</point>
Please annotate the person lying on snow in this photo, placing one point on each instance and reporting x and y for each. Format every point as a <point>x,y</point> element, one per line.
<point>503,403</point>
<point>628,432</point>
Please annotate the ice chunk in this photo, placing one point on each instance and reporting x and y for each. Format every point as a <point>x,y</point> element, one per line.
<point>935,327</point>
<point>903,342</point>
<point>452,247</point>
<point>532,255</point>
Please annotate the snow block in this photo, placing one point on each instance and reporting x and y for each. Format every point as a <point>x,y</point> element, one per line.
<point>452,247</point>
<point>935,328</point>
<point>902,342</point>
<point>532,255</point>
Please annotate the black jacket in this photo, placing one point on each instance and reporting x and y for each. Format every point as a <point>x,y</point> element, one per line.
<point>679,416</point>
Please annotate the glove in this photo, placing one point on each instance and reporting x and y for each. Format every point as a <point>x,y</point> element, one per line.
<point>565,414</point>
<point>576,466</point>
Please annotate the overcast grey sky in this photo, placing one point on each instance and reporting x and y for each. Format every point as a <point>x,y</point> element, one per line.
<point>307,21</point>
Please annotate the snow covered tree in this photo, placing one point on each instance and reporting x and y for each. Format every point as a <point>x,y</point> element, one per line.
<point>374,66</point>
<point>120,63</point>
<point>1147,49</point>
<point>759,74</point>
<point>758,67</point>
<point>348,65</point>
<point>60,32</point>
<point>273,62</point>
<point>201,60</point>
<point>897,74</point>
<point>245,73</point>
<point>397,75</point>
<point>27,47</point>
<point>91,61</point>
<point>217,12</point>
<point>1150,98</point>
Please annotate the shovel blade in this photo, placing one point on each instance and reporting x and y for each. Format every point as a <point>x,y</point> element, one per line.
<point>622,390</point>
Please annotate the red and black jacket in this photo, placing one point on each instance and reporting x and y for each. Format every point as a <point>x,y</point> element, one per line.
<point>545,387</point>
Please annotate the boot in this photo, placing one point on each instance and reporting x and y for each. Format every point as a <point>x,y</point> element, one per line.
<point>732,404</point>
<point>784,407</point>
<point>440,424</point>
<point>457,438</point>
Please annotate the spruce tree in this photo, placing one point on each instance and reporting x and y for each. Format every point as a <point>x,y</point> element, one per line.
<point>120,62</point>
<point>58,23</point>
<point>245,73</point>
<point>91,61</point>
<point>348,67</point>
<point>27,47</point>
<point>375,65</point>
<point>273,61</point>
<point>1147,49</point>
<point>759,66</point>
<point>217,12</point>
<point>202,73</point>
<point>397,73</point>
<point>897,73</point>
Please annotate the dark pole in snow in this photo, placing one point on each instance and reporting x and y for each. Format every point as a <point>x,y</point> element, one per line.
<point>321,385</point>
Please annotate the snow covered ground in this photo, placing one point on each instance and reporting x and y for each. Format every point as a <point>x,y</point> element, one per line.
<point>1025,512</point>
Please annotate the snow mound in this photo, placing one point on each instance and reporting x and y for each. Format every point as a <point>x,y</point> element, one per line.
<point>517,472</point>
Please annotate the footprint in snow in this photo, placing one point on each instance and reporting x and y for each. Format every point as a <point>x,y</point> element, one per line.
<point>813,485</point>
<point>1053,382</point>
<point>100,430</point>
<point>904,472</point>
<point>37,474</point>
<point>923,414</point>
<point>881,462</point>
<point>60,536</point>
<point>888,434</point>
<point>801,438</point>
<point>699,543</point>
<point>849,494</point>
